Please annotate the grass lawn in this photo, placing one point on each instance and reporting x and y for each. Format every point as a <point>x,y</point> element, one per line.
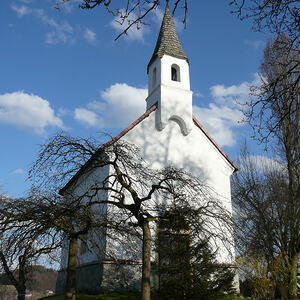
<point>106,296</point>
<point>124,296</point>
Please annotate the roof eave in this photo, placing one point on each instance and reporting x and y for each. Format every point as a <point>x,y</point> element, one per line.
<point>154,56</point>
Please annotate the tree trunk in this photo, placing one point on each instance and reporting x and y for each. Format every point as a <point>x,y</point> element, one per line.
<point>21,293</point>
<point>70,293</point>
<point>292,293</point>
<point>22,278</point>
<point>146,268</point>
<point>21,289</point>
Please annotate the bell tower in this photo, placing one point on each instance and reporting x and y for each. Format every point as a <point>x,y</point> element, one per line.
<point>169,79</point>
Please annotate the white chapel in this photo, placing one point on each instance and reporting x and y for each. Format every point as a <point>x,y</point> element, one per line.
<point>167,132</point>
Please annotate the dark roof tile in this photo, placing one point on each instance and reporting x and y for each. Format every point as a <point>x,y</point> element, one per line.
<point>167,42</point>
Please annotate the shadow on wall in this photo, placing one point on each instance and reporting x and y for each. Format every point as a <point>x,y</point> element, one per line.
<point>169,146</point>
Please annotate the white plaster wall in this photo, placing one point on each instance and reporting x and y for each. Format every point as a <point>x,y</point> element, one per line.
<point>193,152</point>
<point>166,63</point>
<point>151,85</point>
<point>92,253</point>
<point>174,98</point>
<point>163,73</point>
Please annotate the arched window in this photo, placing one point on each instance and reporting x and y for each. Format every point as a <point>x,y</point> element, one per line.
<point>154,78</point>
<point>175,73</point>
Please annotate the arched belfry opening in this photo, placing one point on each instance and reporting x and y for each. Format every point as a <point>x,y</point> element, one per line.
<point>175,73</point>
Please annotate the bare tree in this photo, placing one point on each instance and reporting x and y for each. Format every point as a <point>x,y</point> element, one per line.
<point>139,194</point>
<point>273,111</point>
<point>132,13</point>
<point>267,220</point>
<point>23,242</point>
<point>280,71</point>
<point>275,16</point>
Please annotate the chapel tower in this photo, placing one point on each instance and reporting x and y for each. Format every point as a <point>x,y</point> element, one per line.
<point>169,79</point>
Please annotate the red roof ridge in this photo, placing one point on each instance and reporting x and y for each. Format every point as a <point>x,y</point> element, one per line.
<point>198,124</point>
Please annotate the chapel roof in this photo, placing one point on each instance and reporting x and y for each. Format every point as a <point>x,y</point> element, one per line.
<point>167,41</point>
<point>130,127</point>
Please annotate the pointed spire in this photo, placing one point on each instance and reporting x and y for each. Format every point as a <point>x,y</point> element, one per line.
<point>168,42</point>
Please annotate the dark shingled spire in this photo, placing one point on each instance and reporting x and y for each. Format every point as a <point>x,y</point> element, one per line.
<point>168,42</point>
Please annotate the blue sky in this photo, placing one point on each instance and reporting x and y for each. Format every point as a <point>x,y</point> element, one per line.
<point>62,70</point>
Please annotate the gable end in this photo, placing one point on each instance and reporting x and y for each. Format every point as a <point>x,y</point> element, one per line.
<point>198,124</point>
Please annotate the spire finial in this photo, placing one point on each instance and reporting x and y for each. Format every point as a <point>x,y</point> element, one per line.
<point>167,3</point>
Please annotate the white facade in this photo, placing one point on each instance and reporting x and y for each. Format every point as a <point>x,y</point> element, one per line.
<point>170,136</point>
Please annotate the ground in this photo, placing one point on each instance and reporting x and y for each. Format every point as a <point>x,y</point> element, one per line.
<point>124,296</point>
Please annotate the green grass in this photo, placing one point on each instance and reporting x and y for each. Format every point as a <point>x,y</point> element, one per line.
<point>235,297</point>
<point>107,296</point>
<point>124,296</point>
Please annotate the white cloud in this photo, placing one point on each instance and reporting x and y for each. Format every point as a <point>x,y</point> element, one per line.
<point>58,31</point>
<point>86,116</point>
<point>220,90</point>
<point>61,32</point>
<point>197,94</point>
<point>28,111</point>
<point>223,114</point>
<point>234,94</point>
<point>21,10</point>
<point>18,172</point>
<point>121,105</point>
<point>219,121</point>
<point>90,36</point>
<point>266,164</point>
<point>63,112</point>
